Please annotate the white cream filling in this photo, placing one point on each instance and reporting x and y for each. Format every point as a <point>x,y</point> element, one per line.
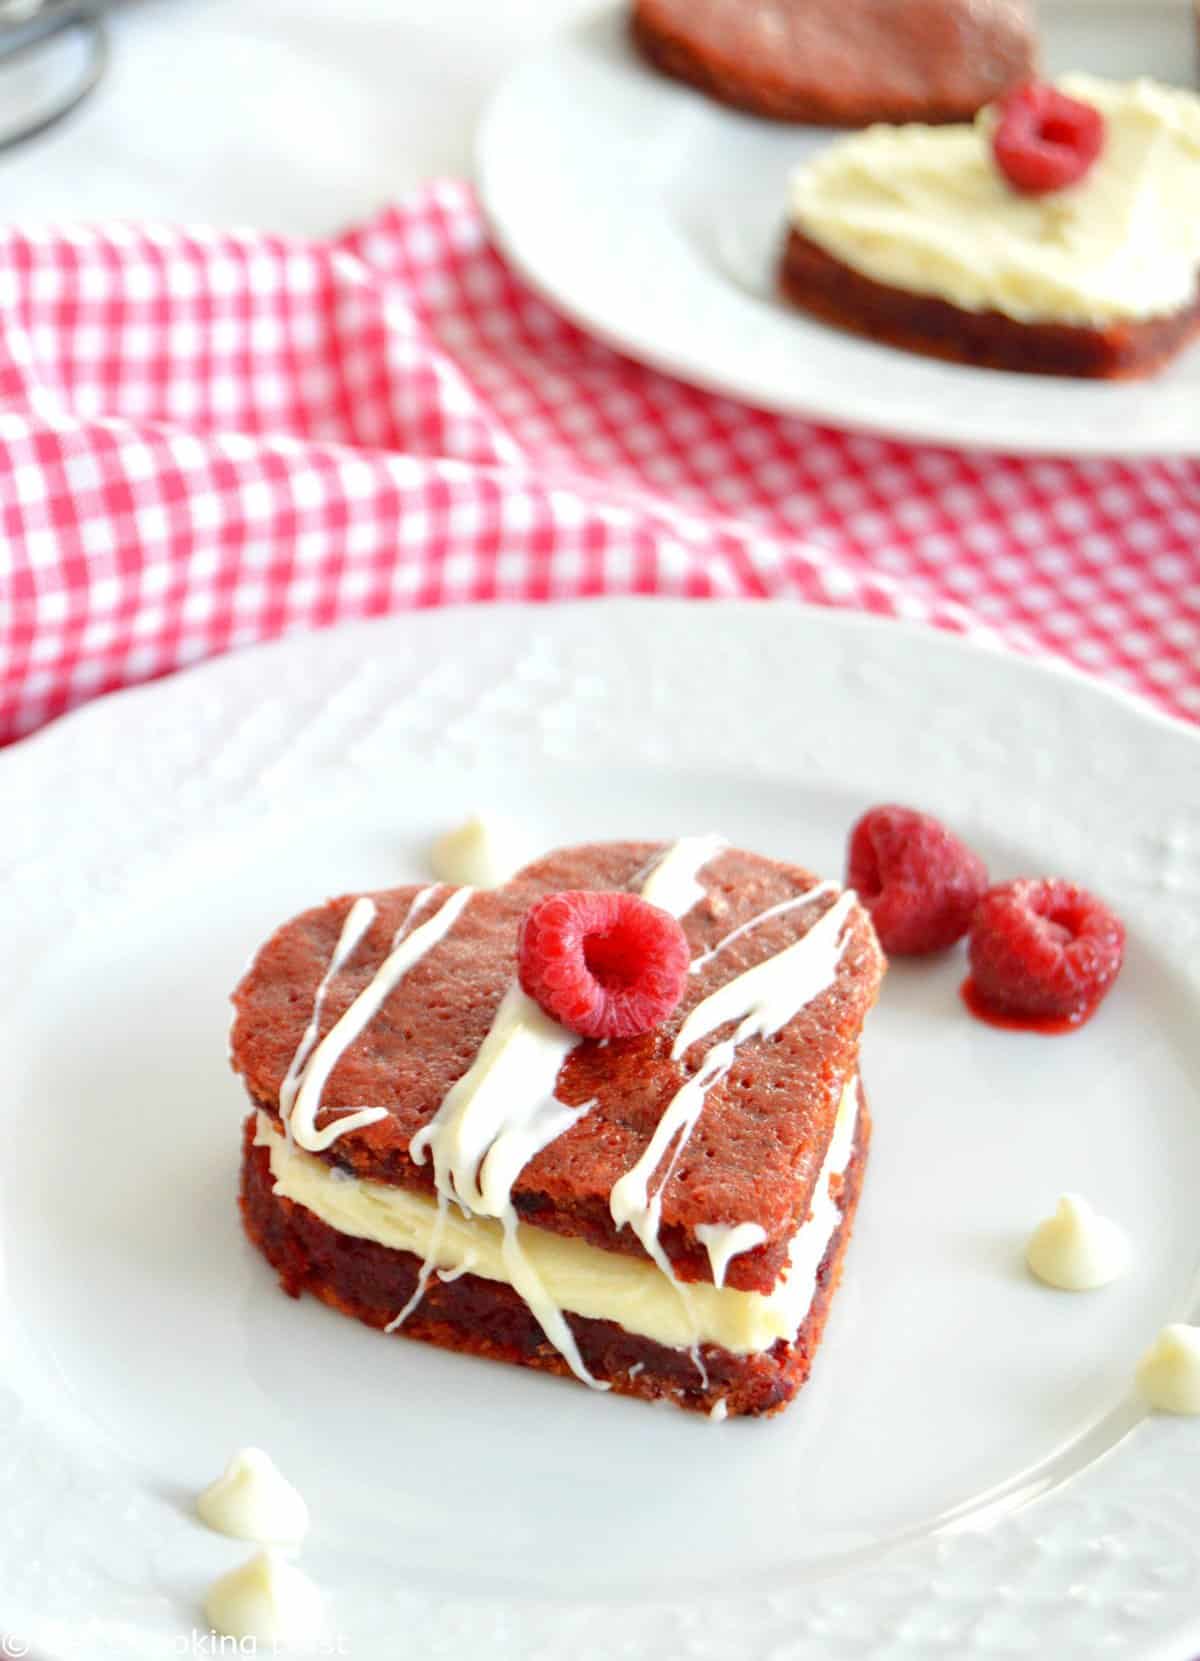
<point>926,209</point>
<point>576,1277</point>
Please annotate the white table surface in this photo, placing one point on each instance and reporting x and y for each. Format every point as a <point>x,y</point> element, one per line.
<point>297,116</point>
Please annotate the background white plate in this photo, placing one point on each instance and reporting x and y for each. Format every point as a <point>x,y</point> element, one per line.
<point>149,842</point>
<point>654,217</point>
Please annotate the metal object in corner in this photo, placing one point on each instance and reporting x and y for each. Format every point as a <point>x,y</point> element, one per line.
<point>27,27</point>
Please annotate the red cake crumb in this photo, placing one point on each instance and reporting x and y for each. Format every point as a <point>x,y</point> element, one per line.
<point>917,879</point>
<point>1043,949</point>
<point>606,965</point>
<point>1045,140</point>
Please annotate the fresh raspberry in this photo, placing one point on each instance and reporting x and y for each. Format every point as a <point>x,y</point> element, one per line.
<point>1044,140</point>
<point>1044,949</point>
<point>918,881</point>
<point>606,965</point>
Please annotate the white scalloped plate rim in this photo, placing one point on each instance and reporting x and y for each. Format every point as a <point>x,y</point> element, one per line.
<point>649,220</point>
<point>145,762</point>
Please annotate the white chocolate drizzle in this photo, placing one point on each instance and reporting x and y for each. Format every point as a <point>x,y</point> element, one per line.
<point>673,881</point>
<point>725,1241</point>
<point>358,920</point>
<point>315,1071</point>
<point>419,904</point>
<point>464,1268</point>
<point>815,893</point>
<point>761,1000</point>
<point>503,1111</point>
<point>426,1269</point>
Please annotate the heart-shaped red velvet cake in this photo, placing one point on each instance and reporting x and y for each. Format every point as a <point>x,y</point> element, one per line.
<point>663,1214</point>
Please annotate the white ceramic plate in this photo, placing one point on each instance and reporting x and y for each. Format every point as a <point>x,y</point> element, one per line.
<point>151,841</point>
<point>654,218</point>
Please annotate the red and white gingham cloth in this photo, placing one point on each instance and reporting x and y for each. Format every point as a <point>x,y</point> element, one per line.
<point>207,439</point>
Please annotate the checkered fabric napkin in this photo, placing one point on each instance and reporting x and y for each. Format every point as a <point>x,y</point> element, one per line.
<point>207,439</point>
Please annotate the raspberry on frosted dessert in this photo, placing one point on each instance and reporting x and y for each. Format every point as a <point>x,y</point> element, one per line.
<point>1057,234</point>
<point>1043,140</point>
<point>841,62</point>
<point>644,1174</point>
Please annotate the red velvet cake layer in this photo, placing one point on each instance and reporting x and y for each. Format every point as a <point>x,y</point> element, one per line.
<point>841,62</point>
<point>819,283</point>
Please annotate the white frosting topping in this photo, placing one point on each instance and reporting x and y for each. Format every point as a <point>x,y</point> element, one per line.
<point>718,1410</point>
<point>252,1500</point>
<point>1168,1375</point>
<point>926,209</point>
<point>503,1111</point>
<point>1076,1249</point>
<point>266,1601</point>
<point>483,853</point>
<point>761,1001</point>
<point>314,1073</point>
<point>725,1241</point>
<point>572,1275</point>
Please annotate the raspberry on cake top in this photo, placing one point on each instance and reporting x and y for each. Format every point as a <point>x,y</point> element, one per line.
<point>927,210</point>
<point>415,1103</point>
